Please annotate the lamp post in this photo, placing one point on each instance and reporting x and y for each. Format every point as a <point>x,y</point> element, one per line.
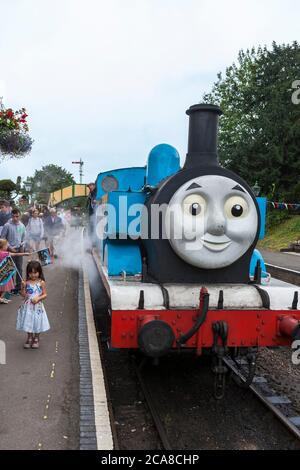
<point>28,187</point>
<point>256,189</point>
<point>37,194</point>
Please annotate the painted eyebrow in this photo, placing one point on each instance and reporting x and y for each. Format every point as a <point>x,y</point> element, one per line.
<point>193,186</point>
<point>239,188</point>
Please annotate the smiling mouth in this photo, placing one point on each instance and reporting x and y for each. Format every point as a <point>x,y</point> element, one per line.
<point>215,244</point>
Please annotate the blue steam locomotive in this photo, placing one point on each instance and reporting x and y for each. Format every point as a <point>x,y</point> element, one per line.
<point>177,258</point>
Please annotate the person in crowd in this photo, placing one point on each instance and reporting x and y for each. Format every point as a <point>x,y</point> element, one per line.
<point>46,212</point>
<point>32,317</point>
<point>76,219</point>
<point>43,215</point>
<point>91,207</point>
<point>14,232</point>
<point>91,200</point>
<point>9,286</point>
<point>53,227</point>
<point>61,214</point>
<point>25,218</point>
<point>34,231</point>
<point>5,214</point>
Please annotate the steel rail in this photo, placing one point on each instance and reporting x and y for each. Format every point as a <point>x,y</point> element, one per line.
<point>152,408</point>
<point>295,430</point>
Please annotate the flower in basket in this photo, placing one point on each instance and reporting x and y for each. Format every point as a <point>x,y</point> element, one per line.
<point>15,144</point>
<point>13,120</point>
<point>14,138</point>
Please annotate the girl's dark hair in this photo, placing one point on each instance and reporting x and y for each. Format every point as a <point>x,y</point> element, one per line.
<point>34,266</point>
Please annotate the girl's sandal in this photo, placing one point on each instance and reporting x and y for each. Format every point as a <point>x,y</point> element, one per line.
<point>35,344</point>
<point>28,344</point>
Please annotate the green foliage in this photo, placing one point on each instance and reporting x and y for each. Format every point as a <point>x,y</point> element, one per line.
<point>295,192</point>
<point>276,217</point>
<point>260,129</point>
<point>283,234</point>
<point>7,187</point>
<point>49,179</point>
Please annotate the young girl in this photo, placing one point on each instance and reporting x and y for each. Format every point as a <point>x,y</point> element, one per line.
<point>32,317</point>
<point>10,284</point>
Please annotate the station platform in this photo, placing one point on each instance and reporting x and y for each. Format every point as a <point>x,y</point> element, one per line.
<point>54,398</point>
<point>39,389</point>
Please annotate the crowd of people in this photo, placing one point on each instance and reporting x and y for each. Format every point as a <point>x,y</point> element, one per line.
<point>24,233</point>
<point>21,234</point>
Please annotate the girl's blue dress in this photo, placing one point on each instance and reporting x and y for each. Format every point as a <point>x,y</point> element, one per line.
<point>32,318</point>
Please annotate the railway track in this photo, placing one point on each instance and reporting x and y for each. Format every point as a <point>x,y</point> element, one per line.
<point>166,445</point>
<point>280,405</point>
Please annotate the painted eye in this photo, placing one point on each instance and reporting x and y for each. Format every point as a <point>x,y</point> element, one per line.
<point>194,205</point>
<point>195,209</point>
<point>236,207</point>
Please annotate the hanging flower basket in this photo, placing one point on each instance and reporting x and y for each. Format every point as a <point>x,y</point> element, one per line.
<point>14,143</point>
<point>14,138</point>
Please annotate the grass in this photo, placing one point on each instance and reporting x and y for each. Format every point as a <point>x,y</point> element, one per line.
<point>281,235</point>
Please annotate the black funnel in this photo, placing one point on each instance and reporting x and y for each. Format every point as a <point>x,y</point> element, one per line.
<point>203,133</point>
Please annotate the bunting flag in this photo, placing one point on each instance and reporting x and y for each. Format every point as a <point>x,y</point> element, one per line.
<point>7,270</point>
<point>284,205</point>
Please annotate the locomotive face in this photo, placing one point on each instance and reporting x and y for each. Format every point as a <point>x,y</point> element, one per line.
<point>212,221</point>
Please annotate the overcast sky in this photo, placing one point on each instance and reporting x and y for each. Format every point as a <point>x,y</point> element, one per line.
<point>108,80</point>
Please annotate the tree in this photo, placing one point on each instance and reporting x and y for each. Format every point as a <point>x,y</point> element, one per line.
<point>260,129</point>
<point>6,188</point>
<point>49,179</point>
